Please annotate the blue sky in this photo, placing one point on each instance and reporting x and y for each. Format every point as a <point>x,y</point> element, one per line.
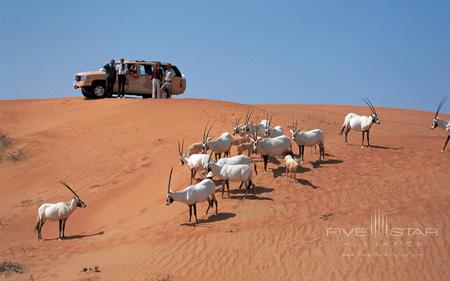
<point>333,52</point>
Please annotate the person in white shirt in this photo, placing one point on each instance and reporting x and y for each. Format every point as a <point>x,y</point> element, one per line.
<point>122,75</point>
<point>168,76</point>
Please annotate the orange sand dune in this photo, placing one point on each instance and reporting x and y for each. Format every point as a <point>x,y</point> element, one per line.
<point>117,154</point>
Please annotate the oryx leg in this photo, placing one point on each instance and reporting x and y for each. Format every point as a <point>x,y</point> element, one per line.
<point>240,186</point>
<point>299,151</point>
<point>346,133</point>
<point>64,228</point>
<point>303,154</point>
<point>368,139</point>
<point>40,224</point>
<point>215,201</point>
<point>193,172</point>
<point>445,145</point>
<point>362,142</point>
<point>266,159</point>
<point>228,187</point>
<point>223,187</point>
<point>210,202</point>
<point>246,189</point>
<point>323,150</point>
<point>190,212</point>
<point>195,213</point>
<point>60,230</point>
<point>252,184</point>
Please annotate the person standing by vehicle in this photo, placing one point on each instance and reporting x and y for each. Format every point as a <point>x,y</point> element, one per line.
<point>122,71</point>
<point>110,77</point>
<point>156,78</point>
<point>168,76</point>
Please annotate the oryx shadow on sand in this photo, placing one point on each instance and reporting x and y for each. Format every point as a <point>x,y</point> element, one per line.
<point>77,236</point>
<point>221,216</point>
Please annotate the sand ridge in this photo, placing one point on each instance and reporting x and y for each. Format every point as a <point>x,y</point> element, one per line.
<point>117,153</point>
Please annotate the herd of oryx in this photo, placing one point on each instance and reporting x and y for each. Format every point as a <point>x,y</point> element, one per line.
<point>261,138</point>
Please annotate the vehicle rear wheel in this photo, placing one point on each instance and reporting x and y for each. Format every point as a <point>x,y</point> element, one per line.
<point>98,91</point>
<point>87,93</point>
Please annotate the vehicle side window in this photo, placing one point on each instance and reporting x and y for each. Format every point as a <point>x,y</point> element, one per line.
<point>176,70</point>
<point>142,70</point>
<point>148,69</point>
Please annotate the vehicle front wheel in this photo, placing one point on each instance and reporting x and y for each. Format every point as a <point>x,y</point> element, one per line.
<point>98,91</point>
<point>87,93</point>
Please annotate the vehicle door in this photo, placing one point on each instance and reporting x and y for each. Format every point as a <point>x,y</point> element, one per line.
<point>141,83</point>
<point>178,82</point>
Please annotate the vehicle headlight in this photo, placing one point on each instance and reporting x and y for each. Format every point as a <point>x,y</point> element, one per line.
<point>80,78</point>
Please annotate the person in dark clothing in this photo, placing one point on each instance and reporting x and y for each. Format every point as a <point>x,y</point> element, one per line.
<point>156,80</point>
<point>110,69</point>
<point>122,71</point>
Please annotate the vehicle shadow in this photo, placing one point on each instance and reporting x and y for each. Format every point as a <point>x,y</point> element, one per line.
<point>210,219</point>
<point>78,236</point>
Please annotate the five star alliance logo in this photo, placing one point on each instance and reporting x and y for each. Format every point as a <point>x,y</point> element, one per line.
<point>380,228</point>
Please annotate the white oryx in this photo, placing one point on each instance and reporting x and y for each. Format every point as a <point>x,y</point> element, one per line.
<point>220,145</point>
<point>58,211</point>
<point>291,164</point>
<point>309,138</point>
<point>234,173</point>
<point>237,160</point>
<point>271,147</point>
<point>195,162</point>
<point>441,123</point>
<point>241,130</point>
<point>360,123</point>
<point>193,194</point>
<point>272,132</point>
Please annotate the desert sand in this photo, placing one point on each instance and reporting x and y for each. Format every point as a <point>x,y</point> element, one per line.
<point>117,154</point>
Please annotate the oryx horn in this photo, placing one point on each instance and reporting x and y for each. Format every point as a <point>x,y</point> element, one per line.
<point>66,185</point>
<point>440,105</point>
<point>370,105</point>
<point>170,178</point>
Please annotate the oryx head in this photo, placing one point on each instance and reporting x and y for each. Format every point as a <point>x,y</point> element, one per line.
<point>79,202</point>
<point>236,128</point>
<point>293,130</point>
<point>245,129</point>
<point>210,161</point>
<point>169,199</point>
<point>255,139</point>
<point>206,138</point>
<point>267,126</point>
<point>434,124</point>
<point>374,114</point>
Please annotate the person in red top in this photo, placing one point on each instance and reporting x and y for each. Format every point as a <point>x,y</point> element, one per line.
<point>156,81</point>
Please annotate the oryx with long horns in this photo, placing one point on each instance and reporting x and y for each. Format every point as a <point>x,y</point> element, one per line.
<point>308,138</point>
<point>220,145</point>
<point>272,132</point>
<point>359,123</point>
<point>193,194</point>
<point>195,162</point>
<point>441,123</point>
<point>58,211</point>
